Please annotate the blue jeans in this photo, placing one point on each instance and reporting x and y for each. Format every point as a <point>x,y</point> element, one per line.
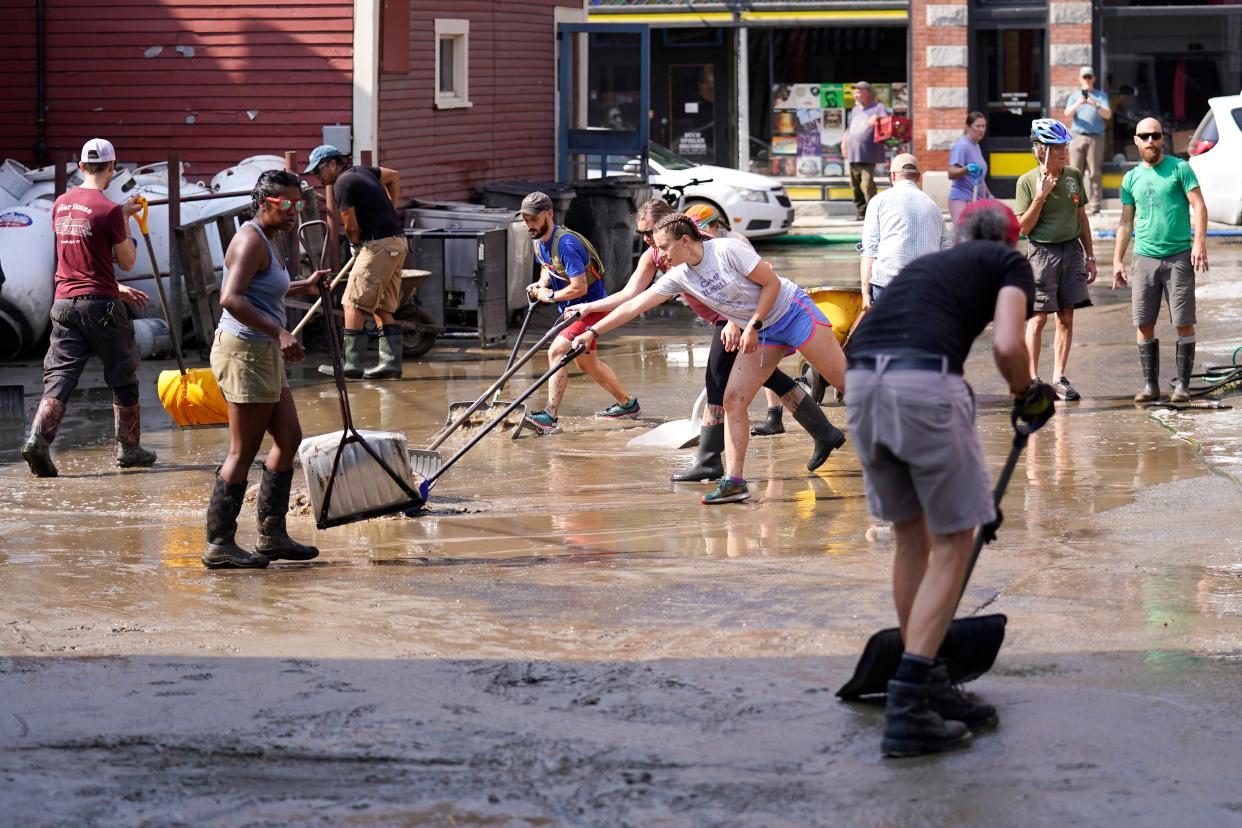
<point>876,290</point>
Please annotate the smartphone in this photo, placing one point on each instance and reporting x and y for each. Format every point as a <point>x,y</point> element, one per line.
<point>1084,94</point>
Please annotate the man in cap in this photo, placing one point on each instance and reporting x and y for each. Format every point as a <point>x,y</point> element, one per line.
<point>861,150</point>
<point>366,198</point>
<point>1088,107</point>
<point>572,274</point>
<point>88,317</point>
<point>900,225</point>
<point>911,416</point>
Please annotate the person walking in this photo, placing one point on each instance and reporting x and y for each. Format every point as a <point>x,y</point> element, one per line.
<point>1089,108</point>
<point>902,223</point>
<point>911,415</point>
<point>572,275</point>
<point>1053,217</point>
<point>248,359</point>
<point>366,198</point>
<point>861,149</point>
<point>968,170</point>
<point>88,313</point>
<point>1160,199</point>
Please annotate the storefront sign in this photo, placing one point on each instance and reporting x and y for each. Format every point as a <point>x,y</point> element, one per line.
<point>692,143</point>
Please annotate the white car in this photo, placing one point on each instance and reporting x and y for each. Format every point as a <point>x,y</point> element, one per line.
<point>1216,157</point>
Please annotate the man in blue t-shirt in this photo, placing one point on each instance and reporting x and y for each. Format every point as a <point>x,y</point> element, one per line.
<point>571,275</point>
<point>1088,107</point>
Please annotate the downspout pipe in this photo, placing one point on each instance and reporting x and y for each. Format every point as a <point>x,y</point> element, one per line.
<point>40,148</point>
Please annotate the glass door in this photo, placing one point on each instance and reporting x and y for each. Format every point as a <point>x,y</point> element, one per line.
<point>1009,69</point>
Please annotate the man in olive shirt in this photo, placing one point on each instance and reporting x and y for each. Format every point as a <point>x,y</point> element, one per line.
<point>1163,193</point>
<point>1051,204</point>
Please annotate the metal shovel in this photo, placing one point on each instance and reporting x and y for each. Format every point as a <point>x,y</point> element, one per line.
<point>478,414</point>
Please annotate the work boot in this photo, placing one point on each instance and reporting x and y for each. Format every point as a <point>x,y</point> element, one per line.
<point>354,351</point>
<point>828,438</point>
<point>1149,359</point>
<point>390,355</point>
<point>772,425</point>
<point>912,727</point>
<point>1184,363</point>
<point>274,542</point>
<point>708,465</point>
<point>222,550</point>
<point>952,704</point>
<point>128,421</point>
<point>37,451</point>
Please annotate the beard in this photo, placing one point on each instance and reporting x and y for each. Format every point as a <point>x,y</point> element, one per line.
<point>536,232</point>
<point>1150,154</point>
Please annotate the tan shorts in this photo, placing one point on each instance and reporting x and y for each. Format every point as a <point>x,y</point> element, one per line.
<point>375,280</point>
<point>247,370</point>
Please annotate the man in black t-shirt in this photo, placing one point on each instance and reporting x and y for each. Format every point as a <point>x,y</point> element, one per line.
<point>911,417</point>
<point>366,198</point>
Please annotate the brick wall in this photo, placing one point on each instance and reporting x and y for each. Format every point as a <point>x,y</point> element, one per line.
<point>939,93</point>
<point>1069,47</point>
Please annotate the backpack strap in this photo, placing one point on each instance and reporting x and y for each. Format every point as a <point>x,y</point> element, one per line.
<point>595,265</point>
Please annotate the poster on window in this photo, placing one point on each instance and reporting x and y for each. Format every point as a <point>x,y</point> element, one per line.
<point>901,97</point>
<point>784,166</point>
<point>795,96</point>
<point>836,96</point>
<point>832,129</point>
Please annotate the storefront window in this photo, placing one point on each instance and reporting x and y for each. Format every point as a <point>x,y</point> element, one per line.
<point>1011,64</point>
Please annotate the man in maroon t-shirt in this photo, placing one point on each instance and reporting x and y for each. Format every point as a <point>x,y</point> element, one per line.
<point>87,315</point>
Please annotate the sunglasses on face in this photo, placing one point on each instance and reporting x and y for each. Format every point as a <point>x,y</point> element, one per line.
<point>646,234</point>
<point>1150,136</point>
<point>285,204</point>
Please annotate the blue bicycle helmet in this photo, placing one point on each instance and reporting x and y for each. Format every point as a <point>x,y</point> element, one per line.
<point>1049,131</point>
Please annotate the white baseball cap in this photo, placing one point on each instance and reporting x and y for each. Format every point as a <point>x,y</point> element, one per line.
<point>98,151</point>
<point>1086,71</point>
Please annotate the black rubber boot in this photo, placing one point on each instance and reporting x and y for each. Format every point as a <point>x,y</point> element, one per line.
<point>1149,359</point>
<point>274,542</point>
<point>708,465</point>
<point>390,353</point>
<point>1184,362</point>
<point>828,438</point>
<point>952,704</point>
<point>222,550</point>
<point>772,425</point>
<point>912,728</point>
<point>129,454</point>
<point>37,450</point>
<point>354,351</point>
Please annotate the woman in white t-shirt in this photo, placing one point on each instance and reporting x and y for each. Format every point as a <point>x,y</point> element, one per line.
<point>764,312</point>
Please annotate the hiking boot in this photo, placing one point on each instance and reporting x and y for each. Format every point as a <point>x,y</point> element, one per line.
<point>391,351</point>
<point>543,423</point>
<point>274,542</point>
<point>1149,360</point>
<point>772,425</point>
<point>727,490</point>
<point>354,351</point>
<point>222,550</point>
<point>617,411</point>
<point>708,465</point>
<point>953,704</point>
<point>38,456</point>
<point>913,728</point>
<point>828,438</point>
<point>128,422</point>
<point>1183,363</point>
<point>1065,391</point>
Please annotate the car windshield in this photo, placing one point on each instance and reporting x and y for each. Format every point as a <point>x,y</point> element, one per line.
<point>668,159</point>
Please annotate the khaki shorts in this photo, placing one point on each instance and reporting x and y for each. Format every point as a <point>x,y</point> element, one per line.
<point>248,370</point>
<point>375,280</point>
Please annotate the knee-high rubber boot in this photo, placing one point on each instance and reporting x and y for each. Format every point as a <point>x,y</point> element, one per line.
<point>274,542</point>
<point>354,351</point>
<point>708,465</point>
<point>1149,359</point>
<point>129,454</point>
<point>37,450</point>
<point>772,425</point>
<point>828,438</point>
<point>222,550</point>
<point>390,353</point>
<point>1184,362</point>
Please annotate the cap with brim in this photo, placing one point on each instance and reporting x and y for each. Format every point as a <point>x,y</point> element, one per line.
<point>320,154</point>
<point>98,151</point>
<point>905,161</point>
<point>1085,71</point>
<point>536,203</point>
<point>1012,229</point>
<point>863,85</point>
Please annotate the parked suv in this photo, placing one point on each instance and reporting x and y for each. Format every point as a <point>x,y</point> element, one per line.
<point>1216,157</point>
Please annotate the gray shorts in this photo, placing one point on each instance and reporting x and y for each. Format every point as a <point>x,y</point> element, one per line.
<point>915,434</point>
<point>1060,276</point>
<point>1172,279</point>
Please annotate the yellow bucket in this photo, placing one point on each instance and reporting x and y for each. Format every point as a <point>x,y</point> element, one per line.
<point>841,305</point>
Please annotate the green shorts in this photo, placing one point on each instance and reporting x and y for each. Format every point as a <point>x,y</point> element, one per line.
<point>248,370</point>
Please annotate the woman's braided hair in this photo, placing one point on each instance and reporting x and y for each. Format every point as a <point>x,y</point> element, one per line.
<point>679,224</point>
<point>270,185</point>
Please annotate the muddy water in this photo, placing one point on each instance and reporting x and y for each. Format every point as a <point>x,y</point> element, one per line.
<point>564,637</point>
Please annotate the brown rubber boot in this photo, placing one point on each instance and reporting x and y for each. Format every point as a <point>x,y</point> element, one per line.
<point>129,454</point>
<point>37,451</point>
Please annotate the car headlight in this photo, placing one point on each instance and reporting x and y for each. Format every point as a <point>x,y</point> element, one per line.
<point>753,195</point>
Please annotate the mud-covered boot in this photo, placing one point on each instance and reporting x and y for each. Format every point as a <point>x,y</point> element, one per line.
<point>912,727</point>
<point>37,450</point>
<point>1184,363</point>
<point>222,550</point>
<point>129,454</point>
<point>353,352</point>
<point>828,438</point>
<point>274,542</point>
<point>772,425</point>
<point>708,465</point>
<point>390,353</point>
<point>953,704</point>
<point>1149,360</point>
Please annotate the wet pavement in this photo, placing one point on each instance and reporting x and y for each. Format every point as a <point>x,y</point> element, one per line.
<point>563,637</point>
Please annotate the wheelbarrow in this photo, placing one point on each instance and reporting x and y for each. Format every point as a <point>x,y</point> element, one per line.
<point>843,307</point>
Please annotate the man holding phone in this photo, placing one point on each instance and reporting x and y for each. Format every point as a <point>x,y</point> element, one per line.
<point>1089,109</point>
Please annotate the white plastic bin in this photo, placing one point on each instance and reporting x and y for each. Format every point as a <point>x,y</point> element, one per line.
<point>362,489</point>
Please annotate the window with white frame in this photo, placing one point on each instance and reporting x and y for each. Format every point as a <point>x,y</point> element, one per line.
<point>452,63</point>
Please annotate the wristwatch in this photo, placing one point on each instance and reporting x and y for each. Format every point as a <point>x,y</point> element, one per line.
<point>757,324</point>
<point>1090,258</point>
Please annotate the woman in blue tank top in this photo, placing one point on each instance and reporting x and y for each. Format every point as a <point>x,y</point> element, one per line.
<point>248,360</point>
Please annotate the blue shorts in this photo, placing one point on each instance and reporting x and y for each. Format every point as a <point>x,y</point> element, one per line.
<point>796,326</point>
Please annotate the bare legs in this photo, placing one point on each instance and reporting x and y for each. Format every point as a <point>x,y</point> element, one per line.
<point>926,596</point>
<point>1061,344</point>
<point>589,362</point>
<point>248,423</point>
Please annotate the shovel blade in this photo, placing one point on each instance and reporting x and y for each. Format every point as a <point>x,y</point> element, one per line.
<point>969,650</point>
<point>425,463</point>
<point>481,416</point>
<point>677,434</point>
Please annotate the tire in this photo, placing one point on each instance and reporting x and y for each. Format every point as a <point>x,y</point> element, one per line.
<point>415,343</point>
<point>816,386</point>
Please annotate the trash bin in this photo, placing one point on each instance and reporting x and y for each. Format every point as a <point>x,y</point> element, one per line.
<point>603,211</point>
<point>465,293</point>
<point>509,195</point>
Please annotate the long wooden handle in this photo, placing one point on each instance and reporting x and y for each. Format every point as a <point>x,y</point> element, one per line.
<point>307,318</point>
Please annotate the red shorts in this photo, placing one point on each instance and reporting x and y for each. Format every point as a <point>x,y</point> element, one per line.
<point>579,328</point>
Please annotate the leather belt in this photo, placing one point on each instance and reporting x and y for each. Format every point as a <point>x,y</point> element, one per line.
<point>939,364</point>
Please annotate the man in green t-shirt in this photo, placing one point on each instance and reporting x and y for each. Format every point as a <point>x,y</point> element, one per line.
<point>1051,204</point>
<point>1163,194</point>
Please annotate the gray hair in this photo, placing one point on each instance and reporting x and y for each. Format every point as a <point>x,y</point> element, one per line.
<point>984,224</point>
